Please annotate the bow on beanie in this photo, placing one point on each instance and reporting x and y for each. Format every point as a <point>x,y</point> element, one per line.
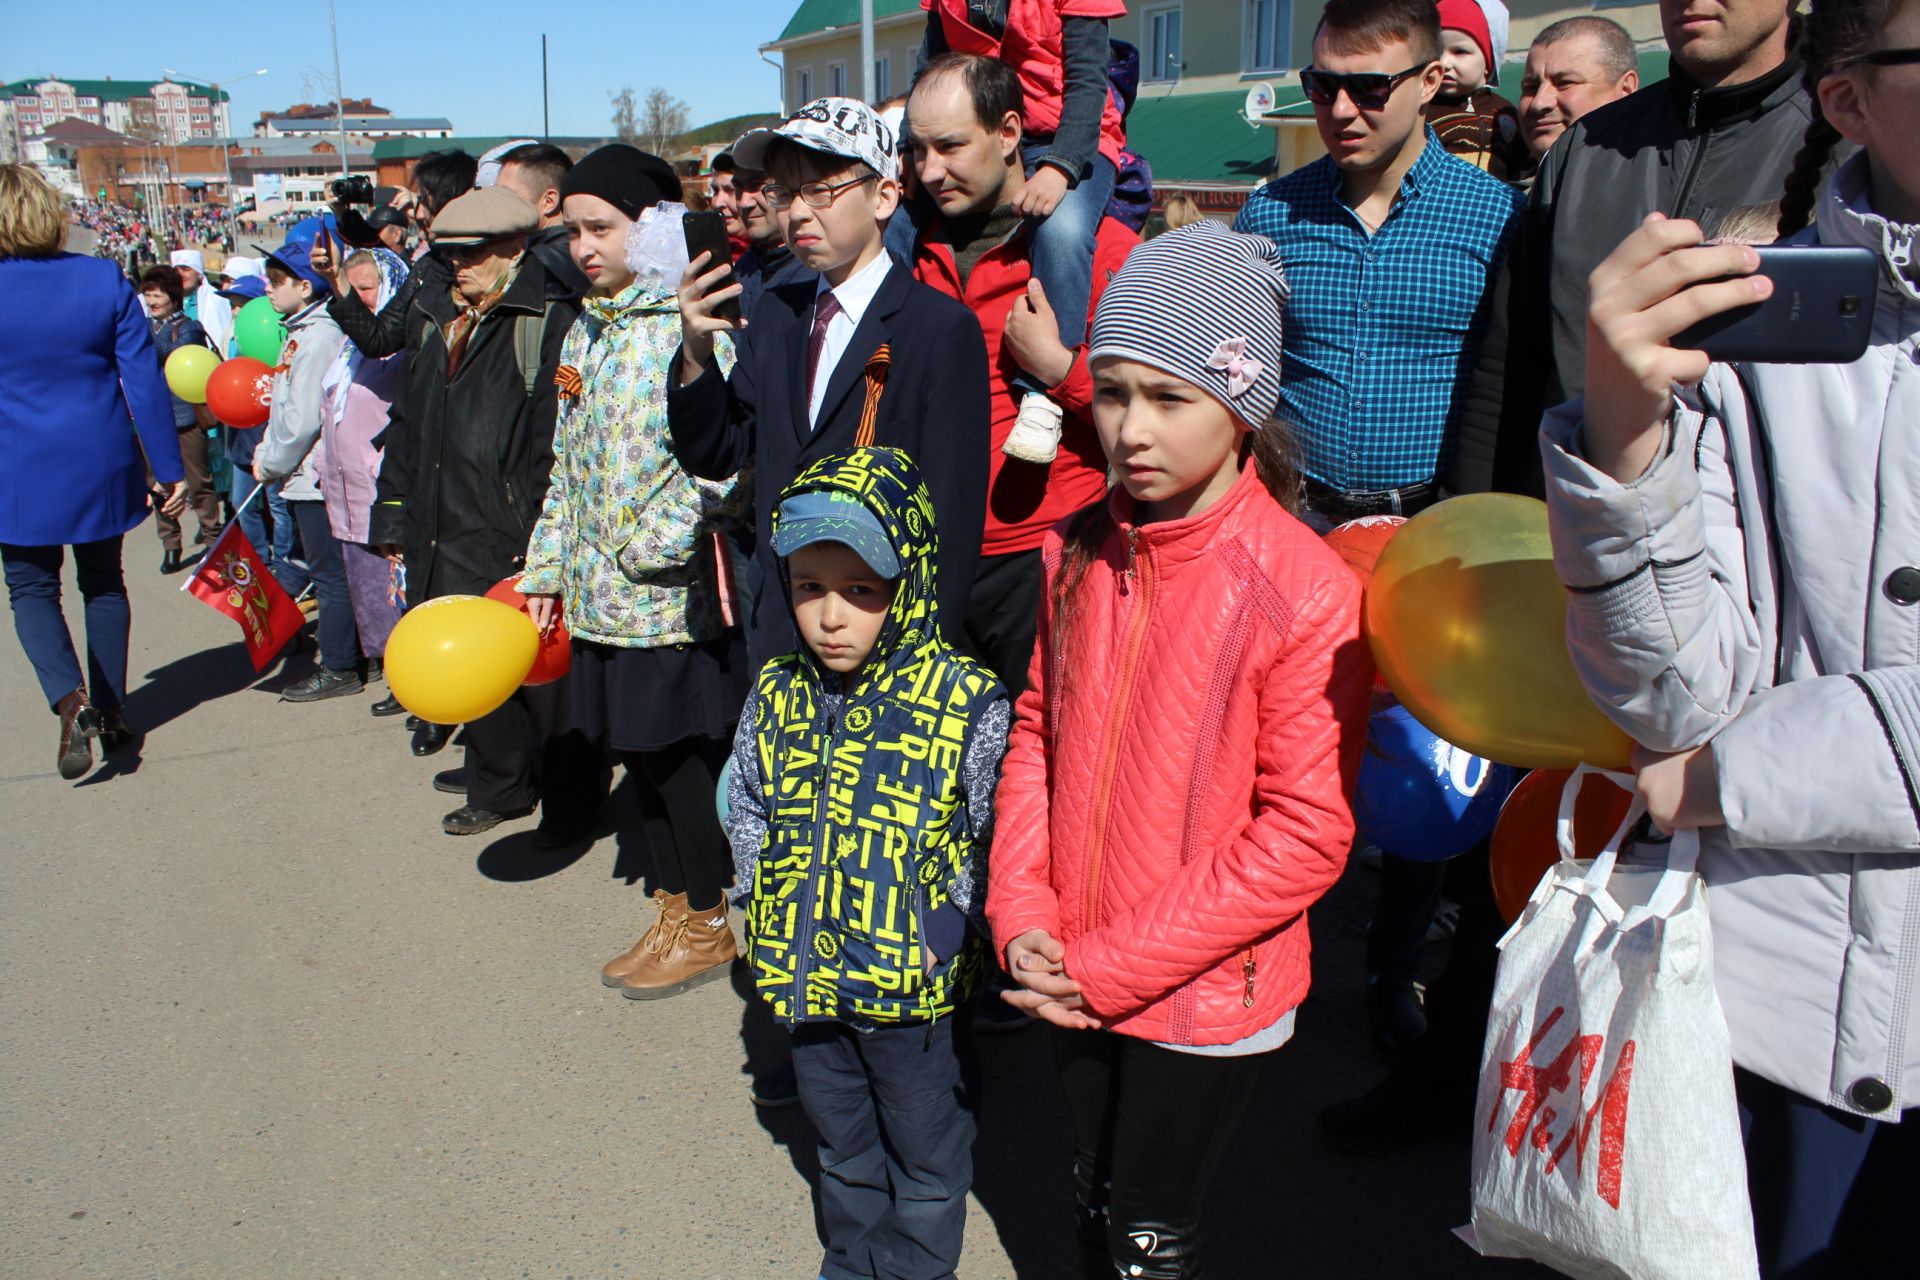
<point>629,179</point>
<point>1204,304</point>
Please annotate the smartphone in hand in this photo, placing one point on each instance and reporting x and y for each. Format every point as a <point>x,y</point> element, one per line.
<point>707,233</point>
<point>1821,311</point>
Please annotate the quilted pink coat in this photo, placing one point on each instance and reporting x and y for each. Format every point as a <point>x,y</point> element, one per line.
<point>1176,788</point>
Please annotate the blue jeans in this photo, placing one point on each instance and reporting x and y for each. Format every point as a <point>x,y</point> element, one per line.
<point>339,637</point>
<point>1829,1189</point>
<point>33,588</point>
<point>253,523</point>
<point>1063,243</point>
<point>896,1146</point>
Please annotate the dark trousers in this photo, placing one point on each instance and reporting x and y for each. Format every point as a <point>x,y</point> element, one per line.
<point>1003,613</point>
<point>1409,897</point>
<point>339,637</point>
<point>896,1146</point>
<point>677,816</point>
<point>526,751</point>
<point>202,498</point>
<point>33,589</point>
<point>1829,1188</point>
<point>1149,1126</point>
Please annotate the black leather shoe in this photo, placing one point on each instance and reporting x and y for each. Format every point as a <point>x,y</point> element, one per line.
<point>451,781</point>
<point>170,561</point>
<point>561,835</point>
<point>469,821</point>
<point>1396,1013</point>
<point>775,1089</point>
<point>324,683</point>
<point>411,723</point>
<point>114,731</point>
<point>429,738</point>
<point>387,706</point>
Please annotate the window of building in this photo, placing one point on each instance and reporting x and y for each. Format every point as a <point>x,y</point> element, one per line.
<point>836,79</point>
<point>1269,36</point>
<point>882,81</point>
<point>1161,26</point>
<point>803,88</point>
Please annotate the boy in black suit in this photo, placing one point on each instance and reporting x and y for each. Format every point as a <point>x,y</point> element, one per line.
<point>863,355</point>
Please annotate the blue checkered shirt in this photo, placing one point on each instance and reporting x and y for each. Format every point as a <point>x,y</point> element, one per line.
<point>1378,326</point>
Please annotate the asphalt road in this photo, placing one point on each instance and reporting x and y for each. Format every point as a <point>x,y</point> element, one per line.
<point>264,1020</point>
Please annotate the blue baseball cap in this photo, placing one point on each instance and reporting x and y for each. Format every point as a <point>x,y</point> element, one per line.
<point>245,289</point>
<point>807,518</point>
<point>294,257</point>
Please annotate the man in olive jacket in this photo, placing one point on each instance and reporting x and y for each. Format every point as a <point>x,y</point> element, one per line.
<point>469,450</point>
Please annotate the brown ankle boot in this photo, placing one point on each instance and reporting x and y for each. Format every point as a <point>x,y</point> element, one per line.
<point>79,725</point>
<point>619,968</point>
<point>695,947</point>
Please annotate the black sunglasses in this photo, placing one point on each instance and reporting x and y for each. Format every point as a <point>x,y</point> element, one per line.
<point>1889,58</point>
<point>1368,90</point>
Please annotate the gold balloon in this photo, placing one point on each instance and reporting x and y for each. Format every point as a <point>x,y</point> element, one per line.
<point>454,659</point>
<point>187,371</point>
<point>1468,625</point>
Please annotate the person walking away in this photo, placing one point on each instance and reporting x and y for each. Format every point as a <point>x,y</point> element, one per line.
<point>293,452</point>
<point>625,548</point>
<point>356,398</point>
<point>173,329</point>
<point>1070,151</point>
<point>1167,816</point>
<point>862,930</point>
<point>469,454</point>
<point>77,370</point>
<point>1741,612</point>
<point>863,353</point>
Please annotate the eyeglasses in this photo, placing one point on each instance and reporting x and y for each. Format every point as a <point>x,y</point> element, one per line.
<point>818,195</point>
<point>1368,90</point>
<point>1888,58</point>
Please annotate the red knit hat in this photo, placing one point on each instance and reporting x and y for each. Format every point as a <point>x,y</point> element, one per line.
<point>1465,15</point>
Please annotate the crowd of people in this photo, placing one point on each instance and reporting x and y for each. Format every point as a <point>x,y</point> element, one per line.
<point>969,544</point>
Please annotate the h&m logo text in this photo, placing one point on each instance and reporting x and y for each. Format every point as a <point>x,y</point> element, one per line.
<point>1538,1124</point>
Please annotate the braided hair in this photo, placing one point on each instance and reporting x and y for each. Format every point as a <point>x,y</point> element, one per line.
<point>1834,32</point>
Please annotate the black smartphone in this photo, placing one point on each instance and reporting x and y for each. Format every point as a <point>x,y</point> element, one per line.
<point>707,233</point>
<point>1821,311</point>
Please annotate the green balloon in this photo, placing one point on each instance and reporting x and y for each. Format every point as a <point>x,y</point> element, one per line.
<point>261,335</point>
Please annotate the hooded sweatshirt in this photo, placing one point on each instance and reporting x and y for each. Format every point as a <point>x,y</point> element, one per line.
<point>860,816</point>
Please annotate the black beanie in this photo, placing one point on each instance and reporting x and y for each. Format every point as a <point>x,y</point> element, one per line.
<point>625,177</point>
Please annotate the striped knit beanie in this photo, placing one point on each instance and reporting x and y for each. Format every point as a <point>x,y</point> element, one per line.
<point>1202,303</point>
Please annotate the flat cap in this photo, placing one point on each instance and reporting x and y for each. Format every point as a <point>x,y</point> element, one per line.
<point>483,215</point>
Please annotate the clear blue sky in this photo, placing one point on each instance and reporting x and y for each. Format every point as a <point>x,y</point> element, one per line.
<point>476,62</point>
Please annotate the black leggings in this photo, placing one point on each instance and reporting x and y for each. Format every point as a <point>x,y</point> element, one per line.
<point>1149,1127</point>
<point>677,816</point>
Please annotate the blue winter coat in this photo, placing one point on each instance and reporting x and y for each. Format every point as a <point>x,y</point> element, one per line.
<point>78,378</point>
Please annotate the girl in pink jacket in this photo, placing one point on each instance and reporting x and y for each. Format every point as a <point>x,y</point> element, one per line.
<point>1176,788</point>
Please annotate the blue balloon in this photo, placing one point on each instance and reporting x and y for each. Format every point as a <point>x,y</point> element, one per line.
<point>1421,797</point>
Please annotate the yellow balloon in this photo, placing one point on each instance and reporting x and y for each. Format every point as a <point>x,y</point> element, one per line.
<point>188,369</point>
<point>1468,625</point>
<point>454,659</point>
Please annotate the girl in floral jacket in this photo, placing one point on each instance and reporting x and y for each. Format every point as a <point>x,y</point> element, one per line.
<point>625,544</point>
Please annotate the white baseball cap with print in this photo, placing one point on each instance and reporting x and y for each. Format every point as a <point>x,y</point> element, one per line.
<point>833,126</point>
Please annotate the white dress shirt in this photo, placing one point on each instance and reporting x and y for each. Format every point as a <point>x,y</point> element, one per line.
<point>854,297</point>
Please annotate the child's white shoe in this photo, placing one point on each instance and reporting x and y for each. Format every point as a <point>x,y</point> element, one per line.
<point>1036,432</point>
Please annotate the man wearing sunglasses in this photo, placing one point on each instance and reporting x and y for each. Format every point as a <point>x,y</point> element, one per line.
<point>1388,243</point>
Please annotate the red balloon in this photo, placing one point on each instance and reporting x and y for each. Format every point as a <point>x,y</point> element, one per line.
<point>1359,543</point>
<point>555,657</point>
<point>1525,842</point>
<point>240,392</point>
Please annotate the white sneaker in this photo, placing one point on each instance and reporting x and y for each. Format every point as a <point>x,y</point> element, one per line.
<point>1036,433</point>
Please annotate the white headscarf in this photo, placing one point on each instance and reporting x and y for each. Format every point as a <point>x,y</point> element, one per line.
<point>188,258</point>
<point>340,374</point>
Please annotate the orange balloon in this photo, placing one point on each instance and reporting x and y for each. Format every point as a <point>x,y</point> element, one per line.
<point>555,658</point>
<point>1468,625</point>
<point>1360,542</point>
<point>1525,841</point>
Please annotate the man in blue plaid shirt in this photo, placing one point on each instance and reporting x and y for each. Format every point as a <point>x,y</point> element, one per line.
<point>1390,245</point>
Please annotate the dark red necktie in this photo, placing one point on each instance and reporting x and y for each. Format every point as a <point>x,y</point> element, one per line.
<point>825,308</point>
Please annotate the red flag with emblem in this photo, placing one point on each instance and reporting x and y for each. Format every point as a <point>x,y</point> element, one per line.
<point>230,579</point>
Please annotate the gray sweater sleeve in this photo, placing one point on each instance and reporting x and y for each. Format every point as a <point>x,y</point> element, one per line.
<point>746,801</point>
<point>298,398</point>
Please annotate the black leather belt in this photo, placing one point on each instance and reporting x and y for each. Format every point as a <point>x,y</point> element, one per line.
<point>1340,505</point>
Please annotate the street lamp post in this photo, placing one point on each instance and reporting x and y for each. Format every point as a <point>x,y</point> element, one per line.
<point>226,149</point>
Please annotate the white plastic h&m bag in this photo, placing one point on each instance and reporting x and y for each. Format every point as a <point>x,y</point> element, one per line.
<point>1606,1137</point>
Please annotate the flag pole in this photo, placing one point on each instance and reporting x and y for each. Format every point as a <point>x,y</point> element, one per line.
<point>259,488</point>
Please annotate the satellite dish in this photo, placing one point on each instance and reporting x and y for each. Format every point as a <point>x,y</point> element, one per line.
<point>1260,100</point>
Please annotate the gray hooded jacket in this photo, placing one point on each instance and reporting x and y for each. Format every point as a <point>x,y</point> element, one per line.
<point>1752,590</point>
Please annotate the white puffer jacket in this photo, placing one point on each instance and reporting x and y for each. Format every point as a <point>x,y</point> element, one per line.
<point>1759,588</point>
